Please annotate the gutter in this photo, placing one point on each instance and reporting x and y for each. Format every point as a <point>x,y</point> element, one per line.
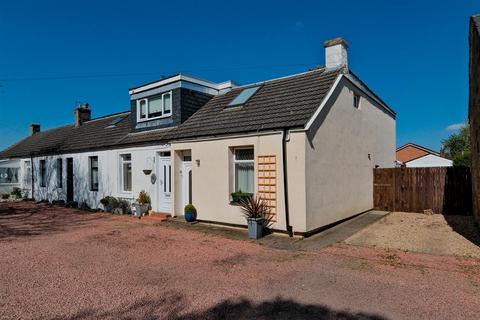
<point>285,183</point>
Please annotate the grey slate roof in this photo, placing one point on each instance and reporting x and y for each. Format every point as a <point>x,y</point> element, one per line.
<point>280,103</point>
<point>93,134</point>
<point>283,103</point>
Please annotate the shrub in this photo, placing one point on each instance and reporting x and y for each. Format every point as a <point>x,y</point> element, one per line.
<point>109,203</point>
<point>84,206</point>
<point>16,192</point>
<point>125,206</point>
<point>190,208</point>
<point>255,208</point>
<point>5,196</point>
<point>72,204</point>
<point>143,198</point>
<point>239,196</point>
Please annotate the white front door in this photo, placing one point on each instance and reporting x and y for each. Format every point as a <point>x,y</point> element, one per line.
<point>165,184</point>
<point>186,183</point>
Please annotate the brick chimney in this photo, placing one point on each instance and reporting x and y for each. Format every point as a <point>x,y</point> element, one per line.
<point>336,53</point>
<point>34,128</point>
<point>83,113</point>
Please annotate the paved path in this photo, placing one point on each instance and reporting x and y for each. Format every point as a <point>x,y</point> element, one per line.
<point>59,263</point>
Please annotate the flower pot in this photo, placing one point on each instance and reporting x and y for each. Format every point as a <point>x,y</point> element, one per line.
<point>255,228</point>
<point>190,216</point>
<point>140,209</point>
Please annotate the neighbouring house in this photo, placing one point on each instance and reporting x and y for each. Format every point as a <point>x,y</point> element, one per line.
<point>474,110</point>
<point>305,143</point>
<point>412,155</point>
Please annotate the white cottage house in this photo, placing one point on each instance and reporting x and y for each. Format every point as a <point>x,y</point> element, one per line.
<point>305,143</point>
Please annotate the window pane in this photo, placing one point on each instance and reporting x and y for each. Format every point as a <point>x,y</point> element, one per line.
<point>244,176</point>
<point>167,103</point>
<point>155,107</point>
<point>127,177</point>
<point>59,173</point>
<point>126,157</point>
<point>8,175</point>
<point>244,154</point>
<point>143,109</point>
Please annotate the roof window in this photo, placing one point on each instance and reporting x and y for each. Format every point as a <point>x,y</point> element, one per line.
<point>243,96</point>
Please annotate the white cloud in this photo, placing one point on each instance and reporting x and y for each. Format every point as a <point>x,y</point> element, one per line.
<point>455,126</point>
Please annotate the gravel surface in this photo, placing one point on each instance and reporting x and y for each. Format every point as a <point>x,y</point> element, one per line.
<point>434,234</point>
<point>58,263</point>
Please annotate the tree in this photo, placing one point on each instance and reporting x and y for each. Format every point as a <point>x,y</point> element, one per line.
<point>457,147</point>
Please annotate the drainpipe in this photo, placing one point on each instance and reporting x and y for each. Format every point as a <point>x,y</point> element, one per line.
<point>285,182</point>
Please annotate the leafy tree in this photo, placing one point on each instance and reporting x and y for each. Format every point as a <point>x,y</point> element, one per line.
<point>457,147</point>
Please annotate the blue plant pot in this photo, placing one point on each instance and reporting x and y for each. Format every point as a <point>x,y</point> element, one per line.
<point>190,216</point>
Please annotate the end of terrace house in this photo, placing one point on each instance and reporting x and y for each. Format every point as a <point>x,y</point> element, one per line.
<point>305,143</point>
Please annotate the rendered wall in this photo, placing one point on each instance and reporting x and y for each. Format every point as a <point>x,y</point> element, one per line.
<point>212,178</point>
<point>343,146</point>
<point>109,182</point>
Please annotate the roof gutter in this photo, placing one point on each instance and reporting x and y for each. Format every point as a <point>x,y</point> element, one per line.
<point>285,183</point>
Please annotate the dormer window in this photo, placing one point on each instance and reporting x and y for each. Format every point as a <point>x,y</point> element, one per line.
<point>154,107</point>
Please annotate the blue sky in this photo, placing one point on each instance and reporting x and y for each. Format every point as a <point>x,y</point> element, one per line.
<point>413,54</point>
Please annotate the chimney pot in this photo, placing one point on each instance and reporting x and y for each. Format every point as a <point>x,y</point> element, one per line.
<point>336,55</point>
<point>83,114</point>
<point>34,128</point>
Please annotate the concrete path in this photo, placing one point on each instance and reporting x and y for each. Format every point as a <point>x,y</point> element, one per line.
<point>340,232</point>
<point>318,241</point>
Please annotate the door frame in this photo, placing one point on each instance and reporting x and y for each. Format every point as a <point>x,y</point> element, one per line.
<point>185,189</point>
<point>161,159</point>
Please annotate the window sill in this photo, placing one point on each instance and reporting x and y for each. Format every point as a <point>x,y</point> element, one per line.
<point>155,118</point>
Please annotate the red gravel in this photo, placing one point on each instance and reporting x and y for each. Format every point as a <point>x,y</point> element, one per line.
<point>58,263</point>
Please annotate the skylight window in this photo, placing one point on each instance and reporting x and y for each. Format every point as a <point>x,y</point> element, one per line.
<point>116,121</point>
<point>243,97</point>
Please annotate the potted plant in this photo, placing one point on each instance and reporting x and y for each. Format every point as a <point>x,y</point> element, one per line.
<point>239,196</point>
<point>109,203</point>
<point>258,216</point>
<point>143,203</point>
<point>190,213</point>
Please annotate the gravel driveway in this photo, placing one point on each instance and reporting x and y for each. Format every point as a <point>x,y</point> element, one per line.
<point>434,234</point>
<point>58,263</point>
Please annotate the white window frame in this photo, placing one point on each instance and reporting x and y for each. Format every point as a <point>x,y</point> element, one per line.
<point>235,161</point>
<point>121,162</point>
<point>147,102</point>
<point>27,174</point>
<point>90,171</point>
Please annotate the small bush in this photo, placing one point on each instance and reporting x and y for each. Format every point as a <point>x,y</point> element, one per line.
<point>16,192</point>
<point>72,204</point>
<point>109,201</point>
<point>58,202</point>
<point>125,206</point>
<point>190,208</point>
<point>239,196</point>
<point>143,198</point>
<point>5,196</point>
<point>84,206</point>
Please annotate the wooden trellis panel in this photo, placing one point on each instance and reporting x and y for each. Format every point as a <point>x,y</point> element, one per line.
<point>267,182</point>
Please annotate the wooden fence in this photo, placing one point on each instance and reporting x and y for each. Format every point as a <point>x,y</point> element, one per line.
<point>444,190</point>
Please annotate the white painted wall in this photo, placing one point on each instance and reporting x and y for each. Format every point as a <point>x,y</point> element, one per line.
<point>429,160</point>
<point>109,171</point>
<point>344,145</point>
